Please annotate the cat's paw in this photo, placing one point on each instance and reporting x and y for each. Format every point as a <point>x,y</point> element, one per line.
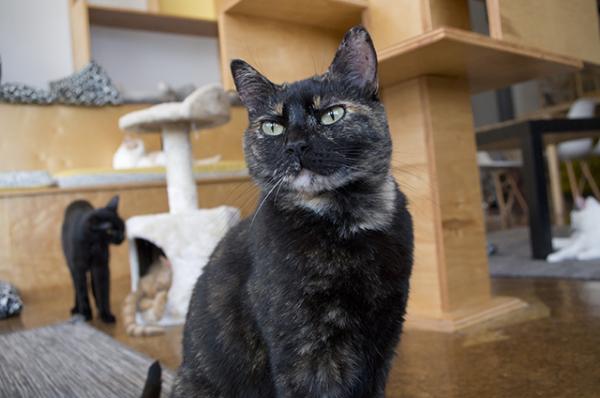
<point>554,258</point>
<point>108,317</point>
<point>86,314</point>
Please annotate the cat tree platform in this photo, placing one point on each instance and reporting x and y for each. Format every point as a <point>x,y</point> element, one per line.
<point>186,235</point>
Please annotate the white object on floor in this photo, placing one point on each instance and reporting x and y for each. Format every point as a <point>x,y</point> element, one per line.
<point>187,239</point>
<point>584,242</point>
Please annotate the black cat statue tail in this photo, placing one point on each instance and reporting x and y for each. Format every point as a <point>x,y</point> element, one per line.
<point>86,235</point>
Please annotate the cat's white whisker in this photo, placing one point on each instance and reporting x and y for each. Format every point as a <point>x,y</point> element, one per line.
<point>264,200</point>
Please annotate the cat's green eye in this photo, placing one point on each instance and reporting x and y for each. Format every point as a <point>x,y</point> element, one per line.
<point>272,128</point>
<point>332,115</point>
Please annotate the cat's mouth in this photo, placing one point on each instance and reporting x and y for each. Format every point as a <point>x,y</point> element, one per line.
<point>307,181</point>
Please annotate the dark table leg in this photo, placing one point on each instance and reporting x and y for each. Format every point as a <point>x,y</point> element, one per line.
<point>536,192</point>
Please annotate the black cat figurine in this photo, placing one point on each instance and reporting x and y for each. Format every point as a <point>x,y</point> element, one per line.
<point>86,234</point>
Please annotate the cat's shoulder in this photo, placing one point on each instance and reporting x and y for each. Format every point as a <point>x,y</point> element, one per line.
<point>79,206</point>
<point>234,244</point>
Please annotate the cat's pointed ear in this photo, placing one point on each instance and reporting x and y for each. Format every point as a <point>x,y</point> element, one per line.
<point>253,88</point>
<point>355,61</point>
<point>113,204</point>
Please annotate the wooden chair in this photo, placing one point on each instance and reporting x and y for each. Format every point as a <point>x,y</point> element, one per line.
<point>507,191</point>
<point>578,151</point>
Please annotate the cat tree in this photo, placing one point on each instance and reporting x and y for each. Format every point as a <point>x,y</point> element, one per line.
<point>187,235</point>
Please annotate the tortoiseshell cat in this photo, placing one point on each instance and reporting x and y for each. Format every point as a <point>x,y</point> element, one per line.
<point>86,234</point>
<point>306,298</point>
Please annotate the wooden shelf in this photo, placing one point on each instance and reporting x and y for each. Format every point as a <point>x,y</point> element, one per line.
<point>131,19</point>
<point>485,62</point>
<point>328,14</point>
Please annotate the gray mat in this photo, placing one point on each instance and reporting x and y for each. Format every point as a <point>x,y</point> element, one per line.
<point>514,259</point>
<point>71,359</point>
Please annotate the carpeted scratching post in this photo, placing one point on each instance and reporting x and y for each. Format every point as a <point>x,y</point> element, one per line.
<point>187,235</point>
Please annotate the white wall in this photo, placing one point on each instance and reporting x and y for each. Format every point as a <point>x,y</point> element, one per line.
<point>35,41</point>
<point>526,97</point>
<point>138,60</point>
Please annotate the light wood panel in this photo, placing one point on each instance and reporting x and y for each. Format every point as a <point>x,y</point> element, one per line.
<point>30,250</point>
<point>204,9</point>
<point>330,14</point>
<point>559,26</point>
<point>225,140</point>
<point>450,13</point>
<point>486,63</point>
<point>272,43</point>
<point>80,33</point>
<point>60,137</point>
<point>391,21</point>
<point>57,137</point>
<point>435,164</point>
<point>155,22</point>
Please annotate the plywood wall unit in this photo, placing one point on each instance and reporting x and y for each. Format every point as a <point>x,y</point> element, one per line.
<point>30,250</point>
<point>559,26</point>
<point>392,21</point>
<point>434,158</point>
<point>225,140</point>
<point>57,137</point>
<point>451,13</point>
<point>204,9</point>
<point>273,41</point>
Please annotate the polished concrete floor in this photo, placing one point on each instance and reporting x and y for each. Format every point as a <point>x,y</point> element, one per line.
<point>552,349</point>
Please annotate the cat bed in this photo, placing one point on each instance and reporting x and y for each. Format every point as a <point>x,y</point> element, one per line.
<point>187,239</point>
<point>91,86</point>
<point>25,179</point>
<point>105,176</point>
<point>10,301</point>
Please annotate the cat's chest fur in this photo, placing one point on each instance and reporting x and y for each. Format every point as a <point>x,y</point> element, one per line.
<point>308,276</point>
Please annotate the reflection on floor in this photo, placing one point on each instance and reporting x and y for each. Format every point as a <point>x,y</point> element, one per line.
<point>550,350</point>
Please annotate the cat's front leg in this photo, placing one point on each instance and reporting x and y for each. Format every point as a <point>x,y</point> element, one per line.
<point>101,289</point>
<point>81,295</point>
<point>566,253</point>
<point>316,369</point>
